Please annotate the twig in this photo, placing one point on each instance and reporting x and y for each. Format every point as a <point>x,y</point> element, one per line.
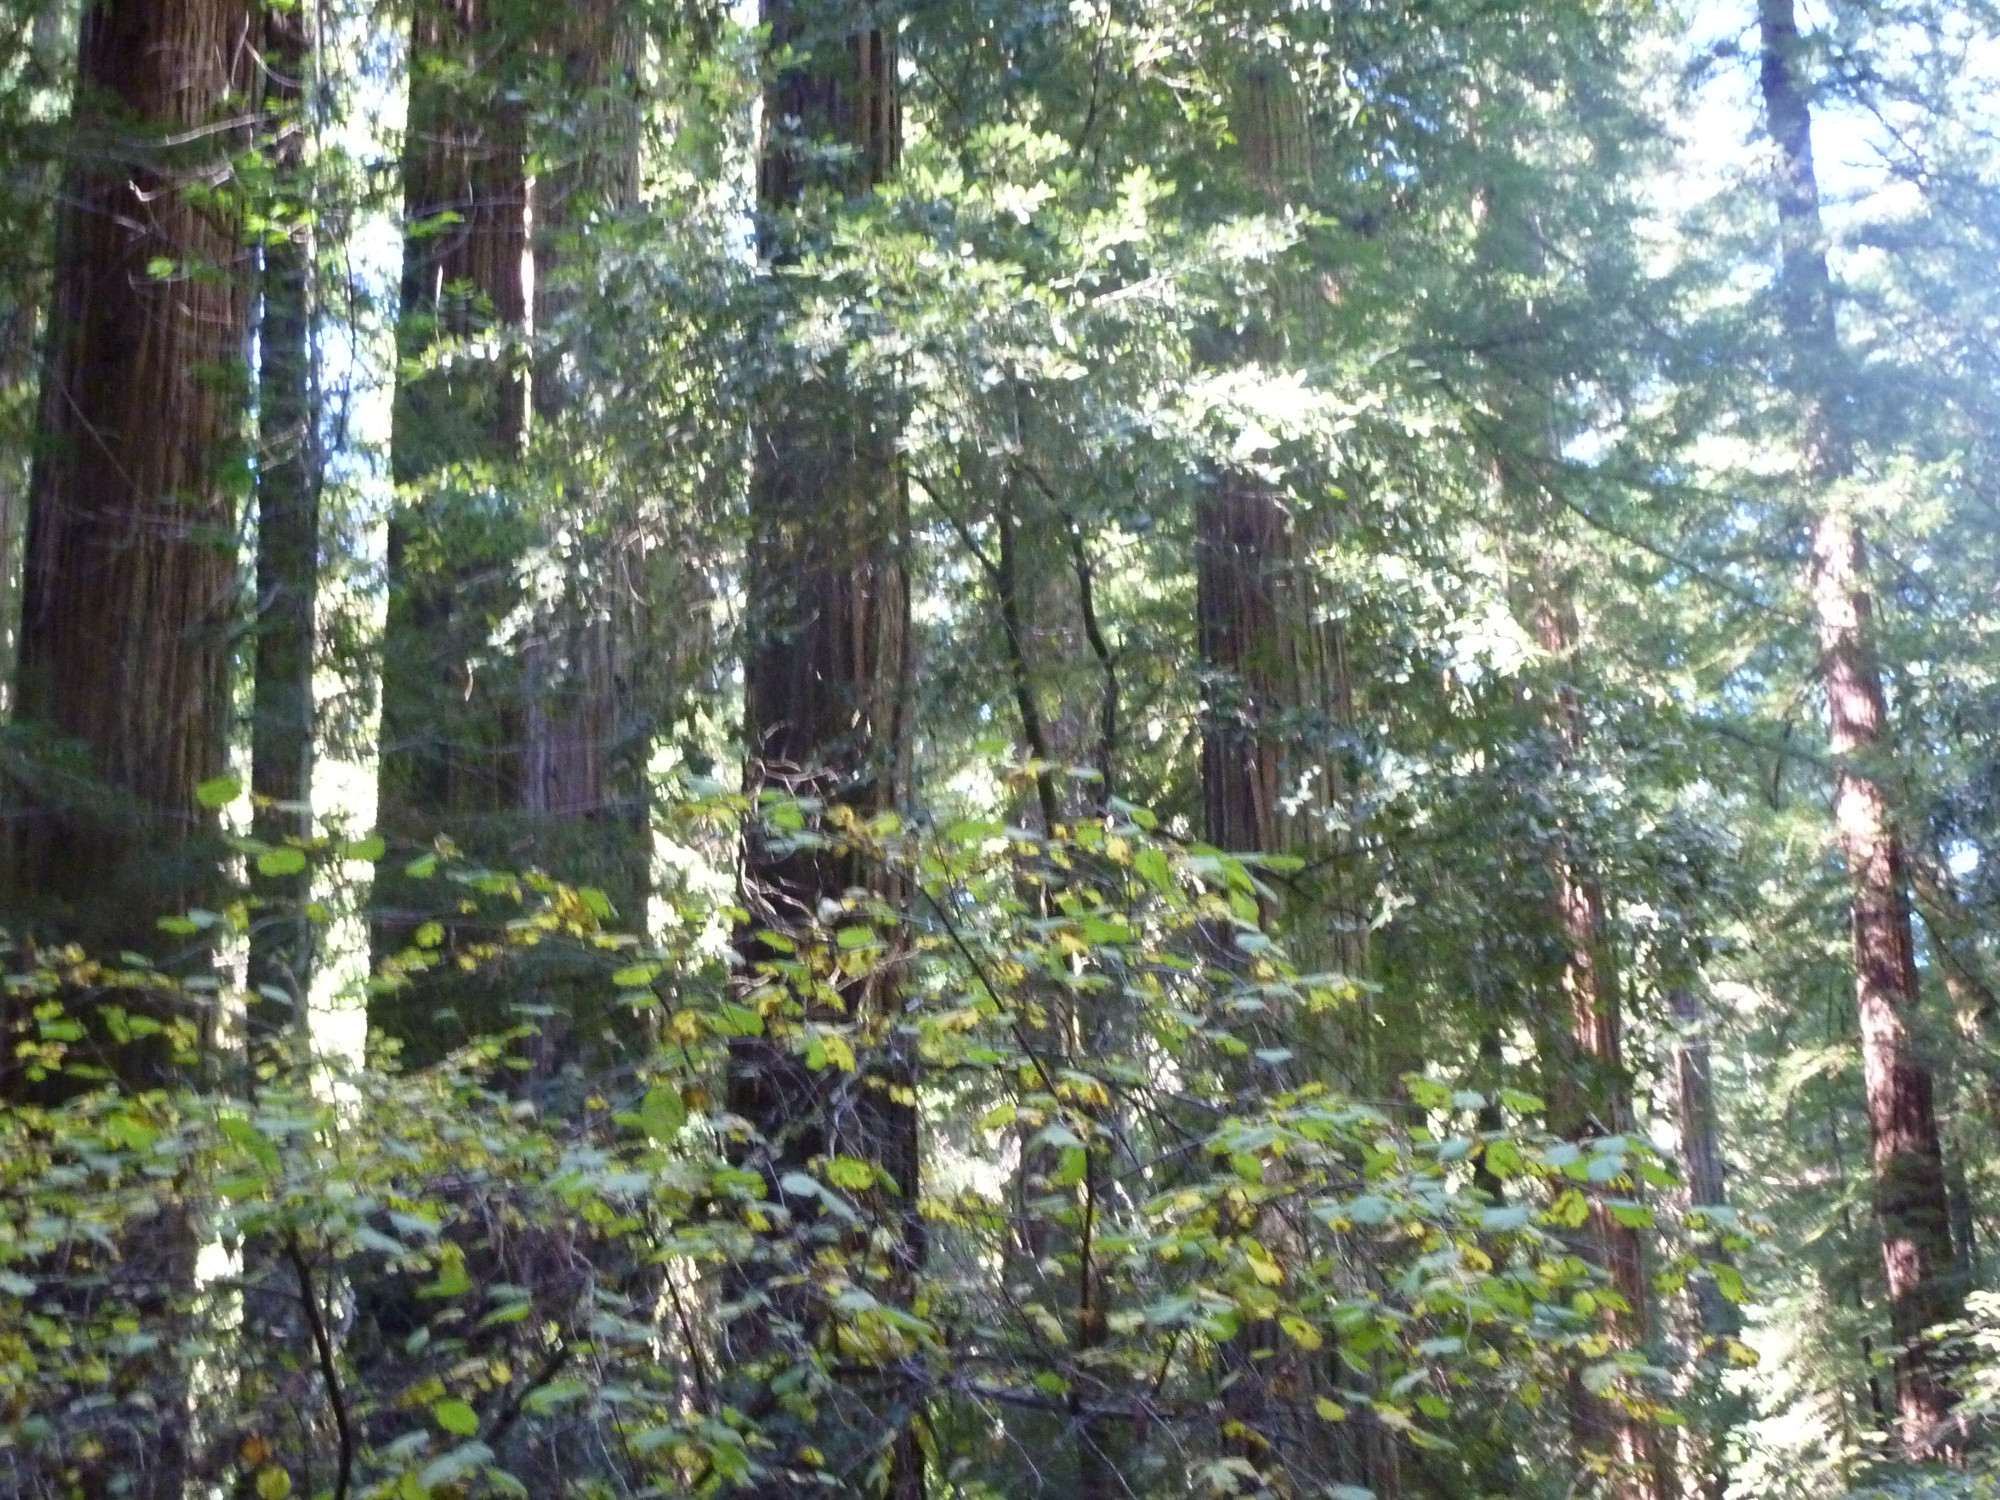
<point>329,1371</point>
<point>509,1414</point>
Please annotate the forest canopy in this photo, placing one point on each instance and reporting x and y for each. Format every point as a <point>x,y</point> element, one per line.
<point>974,750</point>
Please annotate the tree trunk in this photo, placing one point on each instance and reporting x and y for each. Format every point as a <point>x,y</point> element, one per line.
<point>1912,1207</point>
<point>130,588</point>
<point>288,477</point>
<point>1243,539</point>
<point>825,678</point>
<point>1701,1146</point>
<point>1592,1090</point>
<point>579,765</point>
<point>450,706</point>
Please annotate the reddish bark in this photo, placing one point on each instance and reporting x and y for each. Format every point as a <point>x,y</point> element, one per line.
<point>129,596</point>
<point>130,577</point>
<point>1592,1088</point>
<point>1243,539</point>
<point>1911,1201</point>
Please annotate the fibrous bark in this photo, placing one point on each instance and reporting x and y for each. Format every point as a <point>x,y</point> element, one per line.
<point>129,595</point>
<point>129,588</point>
<point>1912,1207</point>
<point>450,709</point>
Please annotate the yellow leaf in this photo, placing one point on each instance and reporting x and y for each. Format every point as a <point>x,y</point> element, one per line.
<point>1331,1410</point>
<point>1303,1333</point>
<point>273,1483</point>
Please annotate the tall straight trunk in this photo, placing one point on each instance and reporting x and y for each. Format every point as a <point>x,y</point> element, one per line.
<point>450,726</point>
<point>130,579</point>
<point>1706,1444</point>
<point>583,762</point>
<point>1701,1145</point>
<point>130,589</point>
<point>1243,540</point>
<point>1592,1087</point>
<point>1912,1206</point>
<point>826,670</point>
<point>282,722</point>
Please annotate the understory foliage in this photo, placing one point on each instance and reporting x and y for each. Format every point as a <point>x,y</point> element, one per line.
<point>478,1294</point>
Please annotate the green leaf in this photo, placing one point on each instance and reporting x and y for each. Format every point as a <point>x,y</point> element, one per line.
<point>273,1483</point>
<point>131,1132</point>
<point>1070,1167</point>
<point>451,1278</point>
<point>1503,1159</point>
<point>798,1185</point>
<point>1153,868</point>
<point>455,1417</point>
<point>1426,1093</point>
<point>369,849</point>
<point>281,862</point>
<point>662,1114</point>
<point>219,792</point>
<point>242,1133</point>
<point>636,977</point>
<point>454,1465</point>
<point>737,1020</point>
<point>846,1172</point>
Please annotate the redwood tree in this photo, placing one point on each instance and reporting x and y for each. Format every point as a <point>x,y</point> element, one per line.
<point>1912,1207</point>
<point>826,666</point>
<point>450,714</point>
<point>129,593</point>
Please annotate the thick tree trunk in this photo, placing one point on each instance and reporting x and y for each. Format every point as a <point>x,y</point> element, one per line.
<point>1243,544</point>
<point>282,723</point>
<point>130,589</point>
<point>581,769</point>
<point>1912,1206</point>
<point>1243,541</point>
<point>825,678</point>
<point>450,706</point>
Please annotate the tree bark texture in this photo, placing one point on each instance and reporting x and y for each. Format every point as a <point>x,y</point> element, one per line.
<point>1701,1145</point>
<point>826,674</point>
<point>129,586</point>
<point>1912,1206</point>
<point>583,771</point>
<point>1591,1089</point>
<point>451,730</point>
<point>288,477</point>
